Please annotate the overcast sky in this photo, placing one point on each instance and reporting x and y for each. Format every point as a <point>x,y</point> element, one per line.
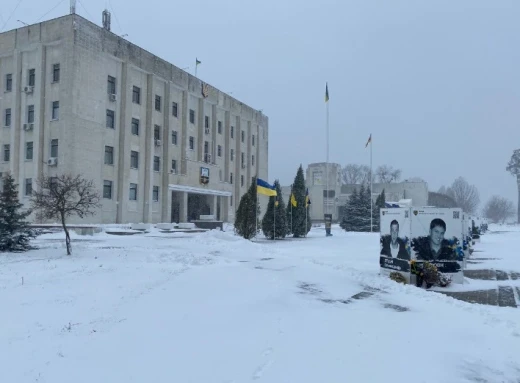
<point>435,82</point>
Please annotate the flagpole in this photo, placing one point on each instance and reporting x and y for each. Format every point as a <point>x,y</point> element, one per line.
<point>371,208</point>
<point>274,219</point>
<point>327,162</point>
<point>256,207</point>
<point>290,202</point>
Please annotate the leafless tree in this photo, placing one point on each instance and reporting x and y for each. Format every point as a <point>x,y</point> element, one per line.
<point>387,174</point>
<point>440,200</point>
<point>465,195</point>
<point>355,174</point>
<point>498,209</point>
<point>442,190</point>
<point>64,196</point>
<point>513,167</point>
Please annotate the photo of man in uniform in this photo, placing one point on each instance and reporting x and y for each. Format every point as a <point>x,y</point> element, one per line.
<point>393,246</point>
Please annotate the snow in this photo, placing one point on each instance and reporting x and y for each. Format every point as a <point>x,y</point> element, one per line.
<point>212,307</point>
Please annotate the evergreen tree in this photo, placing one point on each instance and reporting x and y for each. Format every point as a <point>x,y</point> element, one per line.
<point>363,209</point>
<point>379,204</point>
<point>274,223</point>
<point>246,220</point>
<point>15,233</point>
<point>299,214</point>
<point>348,222</point>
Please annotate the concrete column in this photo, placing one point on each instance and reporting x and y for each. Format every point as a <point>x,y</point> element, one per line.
<point>183,206</point>
<point>146,155</point>
<point>123,154</point>
<point>164,194</point>
<point>213,199</point>
<point>224,209</point>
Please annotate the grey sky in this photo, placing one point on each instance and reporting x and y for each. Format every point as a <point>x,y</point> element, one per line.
<point>435,82</point>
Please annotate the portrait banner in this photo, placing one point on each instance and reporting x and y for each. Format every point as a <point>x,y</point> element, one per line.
<point>395,252</point>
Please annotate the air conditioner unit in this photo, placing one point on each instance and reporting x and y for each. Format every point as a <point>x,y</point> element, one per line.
<point>112,97</point>
<point>158,142</point>
<point>207,157</point>
<point>206,130</point>
<point>53,161</point>
<point>28,89</point>
<point>28,127</point>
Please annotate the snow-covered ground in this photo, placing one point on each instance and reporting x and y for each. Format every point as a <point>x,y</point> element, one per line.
<point>212,307</point>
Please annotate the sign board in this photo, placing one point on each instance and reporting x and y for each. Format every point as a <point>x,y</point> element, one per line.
<point>204,175</point>
<point>395,252</point>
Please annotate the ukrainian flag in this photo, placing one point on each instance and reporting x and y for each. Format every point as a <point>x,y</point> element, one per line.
<point>293,200</point>
<point>307,198</point>
<point>264,188</point>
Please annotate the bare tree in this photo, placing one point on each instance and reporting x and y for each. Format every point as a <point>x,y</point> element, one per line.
<point>513,167</point>
<point>64,196</point>
<point>387,174</point>
<point>498,209</point>
<point>355,174</point>
<point>442,190</point>
<point>465,195</point>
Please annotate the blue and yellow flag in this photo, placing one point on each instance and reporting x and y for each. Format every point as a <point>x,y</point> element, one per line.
<point>293,201</point>
<point>326,92</point>
<point>264,188</point>
<point>307,198</point>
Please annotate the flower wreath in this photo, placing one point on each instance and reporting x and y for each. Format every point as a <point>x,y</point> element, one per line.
<point>428,273</point>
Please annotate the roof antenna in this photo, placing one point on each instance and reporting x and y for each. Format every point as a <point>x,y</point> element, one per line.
<point>72,7</point>
<point>106,19</point>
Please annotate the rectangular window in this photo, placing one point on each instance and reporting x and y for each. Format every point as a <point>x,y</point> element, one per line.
<point>109,155</point>
<point>136,95</point>
<point>32,77</point>
<point>206,122</point>
<point>174,137</point>
<point>134,159</point>
<point>219,127</point>
<point>111,85</point>
<point>156,132</point>
<point>155,195</point>
<point>132,195</point>
<point>242,159</point>
<point>231,155</point>
<point>253,140</point>
<point>219,151</point>
<point>8,82</point>
<point>192,116</point>
<point>107,189</point>
<point>241,180</point>
<point>55,115</point>
<point>7,152</point>
<point>7,119</point>
<point>111,119</point>
<point>157,103</point>
<point>192,143</point>
<point>174,166</point>
<point>29,150</point>
<point>56,73</point>
<point>232,131</point>
<point>135,126</point>
<point>230,178</point>
<point>54,147</point>
<point>242,135</point>
<point>1,182</point>
<point>156,163</point>
<point>175,110</point>
<point>30,114</point>
<point>253,160</point>
<point>53,183</point>
<point>28,186</point>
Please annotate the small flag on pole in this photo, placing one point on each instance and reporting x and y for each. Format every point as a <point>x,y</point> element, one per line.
<point>369,140</point>
<point>197,61</point>
<point>326,92</point>
<point>307,198</point>
<point>293,200</point>
<point>264,188</point>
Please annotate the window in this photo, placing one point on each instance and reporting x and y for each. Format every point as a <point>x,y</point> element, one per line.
<point>132,196</point>
<point>53,183</point>
<point>157,103</point>
<point>7,152</point>
<point>174,137</point>
<point>8,82</point>
<point>32,77</point>
<point>134,159</point>
<point>242,135</point>
<point>28,186</point>
<point>219,151</point>
<point>174,166</point>
<point>156,163</point>
<point>253,160</point>
<point>253,140</point>
<point>206,122</point>
<point>230,201</point>
<point>232,131</point>
<point>219,127</point>
<point>111,85</point>
<point>110,119</point>
<point>156,132</point>
<point>109,155</point>
<point>175,110</point>
<point>56,73</point>
<point>192,116</point>
<point>29,150</point>
<point>155,195</point>
<point>242,159</point>
<point>107,189</point>
<point>241,180</point>
<point>54,147</point>
<point>136,95</point>
<point>230,178</point>
<point>30,114</point>
<point>135,126</point>
<point>7,119</point>
<point>1,182</point>
<point>231,155</point>
<point>192,143</point>
<point>55,110</point>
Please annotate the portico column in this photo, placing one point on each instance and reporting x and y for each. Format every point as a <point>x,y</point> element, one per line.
<point>183,207</point>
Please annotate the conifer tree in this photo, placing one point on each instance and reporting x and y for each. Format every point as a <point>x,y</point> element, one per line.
<point>349,220</point>
<point>15,233</point>
<point>246,220</point>
<point>299,214</point>
<point>363,209</point>
<point>379,204</point>
<point>274,223</point>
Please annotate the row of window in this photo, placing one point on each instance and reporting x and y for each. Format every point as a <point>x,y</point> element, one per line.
<point>55,113</point>
<point>29,150</point>
<point>31,77</point>
<point>132,192</point>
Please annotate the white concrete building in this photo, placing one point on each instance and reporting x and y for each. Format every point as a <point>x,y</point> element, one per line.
<point>76,98</point>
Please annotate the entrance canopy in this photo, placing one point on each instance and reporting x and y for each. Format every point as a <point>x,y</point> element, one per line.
<point>195,190</point>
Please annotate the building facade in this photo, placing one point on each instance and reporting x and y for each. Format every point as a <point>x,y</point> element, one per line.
<point>78,99</point>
